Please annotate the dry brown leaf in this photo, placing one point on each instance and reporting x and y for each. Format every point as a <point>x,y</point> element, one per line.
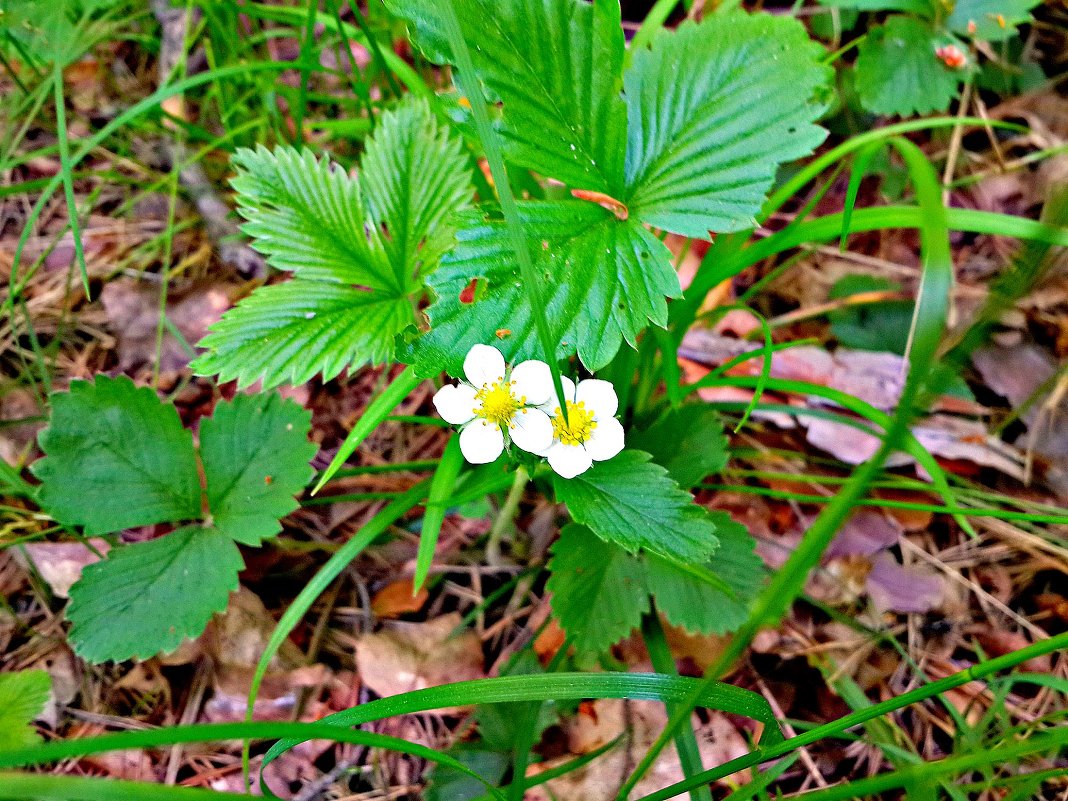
<point>601,721</point>
<point>413,656</point>
<point>60,564</point>
<point>397,598</point>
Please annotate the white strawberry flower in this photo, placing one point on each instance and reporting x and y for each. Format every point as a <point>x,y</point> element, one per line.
<point>494,402</point>
<point>591,433</point>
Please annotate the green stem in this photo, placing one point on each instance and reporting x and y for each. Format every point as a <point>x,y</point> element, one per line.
<point>686,739</point>
<point>506,516</point>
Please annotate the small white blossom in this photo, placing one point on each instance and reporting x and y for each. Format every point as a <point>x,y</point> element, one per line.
<point>591,433</point>
<point>494,402</point>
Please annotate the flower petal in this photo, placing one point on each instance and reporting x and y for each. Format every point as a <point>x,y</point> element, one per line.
<point>533,430</point>
<point>599,396</point>
<point>533,380</point>
<point>483,365</point>
<point>568,460</point>
<point>456,404</point>
<point>606,440</point>
<point>551,406</point>
<point>481,442</point>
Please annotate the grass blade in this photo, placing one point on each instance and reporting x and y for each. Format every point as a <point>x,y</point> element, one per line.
<point>439,499</point>
<point>65,174</point>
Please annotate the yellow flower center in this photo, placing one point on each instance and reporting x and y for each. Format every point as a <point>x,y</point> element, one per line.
<point>499,404</point>
<point>579,426</point>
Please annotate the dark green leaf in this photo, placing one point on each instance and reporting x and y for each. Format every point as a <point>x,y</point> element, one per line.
<point>633,503</point>
<point>898,71</point>
<point>878,326</point>
<point>287,333</point>
<point>115,458</point>
<point>714,108</point>
<point>23,696</point>
<point>688,441</point>
<point>605,280</point>
<point>714,598</point>
<point>598,589</point>
<point>146,598</point>
<point>255,451</point>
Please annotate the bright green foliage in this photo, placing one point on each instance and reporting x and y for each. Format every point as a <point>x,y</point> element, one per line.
<point>255,451</point>
<point>700,156</point>
<point>898,71</point>
<point>148,597</point>
<point>358,247</point>
<point>713,109</point>
<point>632,502</point>
<point>714,598</point>
<point>289,332</point>
<point>688,441</point>
<point>23,696</point>
<point>556,66</point>
<point>599,592</point>
<point>115,458</point>
<point>603,277</point>
<point>880,327</point>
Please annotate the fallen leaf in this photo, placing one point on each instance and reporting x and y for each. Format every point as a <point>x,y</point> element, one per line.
<point>60,564</point>
<point>413,656</point>
<point>397,598</point>
<point>897,588</point>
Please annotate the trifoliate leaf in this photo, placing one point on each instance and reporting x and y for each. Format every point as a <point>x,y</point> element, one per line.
<point>877,326</point>
<point>556,69</point>
<point>115,458</point>
<point>992,20</point>
<point>605,280</point>
<point>306,215</point>
<point>714,108</point>
<point>688,441</point>
<point>287,333</point>
<point>23,696</point>
<point>414,178</point>
<point>358,245</point>
<point>599,592</point>
<point>713,597</point>
<point>632,502</point>
<point>898,72</point>
<point>147,597</point>
<point>255,452</point>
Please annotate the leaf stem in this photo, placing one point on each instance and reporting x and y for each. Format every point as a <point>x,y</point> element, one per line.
<point>506,516</point>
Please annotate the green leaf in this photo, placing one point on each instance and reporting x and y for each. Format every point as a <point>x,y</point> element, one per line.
<point>898,71</point>
<point>255,451</point>
<point>307,216</point>
<point>921,8</point>
<point>414,177</point>
<point>688,441</point>
<point>605,280</point>
<point>115,458</point>
<point>714,598</point>
<point>985,15</point>
<point>555,66</point>
<point>287,333</point>
<point>147,597</point>
<point>632,502</point>
<point>23,696</point>
<point>714,108</point>
<point>598,589</point>
<point>359,247</point>
<point>877,326</point>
